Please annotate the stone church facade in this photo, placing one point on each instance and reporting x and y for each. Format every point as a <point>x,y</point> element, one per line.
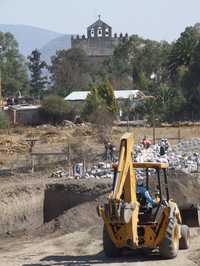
<point>99,42</point>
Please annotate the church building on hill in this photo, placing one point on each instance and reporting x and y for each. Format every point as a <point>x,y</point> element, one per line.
<point>99,42</point>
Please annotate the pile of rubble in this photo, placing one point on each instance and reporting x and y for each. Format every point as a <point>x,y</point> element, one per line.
<point>102,170</point>
<point>185,155</point>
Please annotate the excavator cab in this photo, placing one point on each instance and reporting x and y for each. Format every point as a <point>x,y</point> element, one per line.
<point>130,221</point>
<point>152,191</point>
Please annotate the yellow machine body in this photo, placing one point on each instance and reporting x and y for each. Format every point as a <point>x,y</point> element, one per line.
<point>121,214</point>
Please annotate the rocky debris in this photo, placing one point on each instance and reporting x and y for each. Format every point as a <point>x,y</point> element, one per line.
<point>59,173</point>
<point>102,170</point>
<point>185,155</point>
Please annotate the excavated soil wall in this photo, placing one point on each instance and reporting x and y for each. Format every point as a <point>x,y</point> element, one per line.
<point>21,208</point>
<point>29,207</point>
<point>71,204</point>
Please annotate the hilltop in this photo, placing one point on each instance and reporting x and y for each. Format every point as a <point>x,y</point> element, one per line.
<point>29,38</point>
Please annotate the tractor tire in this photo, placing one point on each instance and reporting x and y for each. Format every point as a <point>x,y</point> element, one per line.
<point>170,245</point>
<point>110,250</point>
<point>184,242</point>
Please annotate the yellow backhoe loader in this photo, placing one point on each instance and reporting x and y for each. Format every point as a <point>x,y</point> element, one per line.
<point>130,221</point>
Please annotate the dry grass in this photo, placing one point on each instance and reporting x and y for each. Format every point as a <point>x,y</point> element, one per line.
<point>13,146</point>
<point>162,132</point>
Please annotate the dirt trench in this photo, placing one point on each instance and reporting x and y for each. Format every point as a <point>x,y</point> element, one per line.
<point>53,205</point>
<point>58,225</point>
<point>70,205</point>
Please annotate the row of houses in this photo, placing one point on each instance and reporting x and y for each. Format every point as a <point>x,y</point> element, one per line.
<point>28,114</point>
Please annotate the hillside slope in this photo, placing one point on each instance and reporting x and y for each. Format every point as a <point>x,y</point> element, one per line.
<point>48,50</point>
<point>30,37</point>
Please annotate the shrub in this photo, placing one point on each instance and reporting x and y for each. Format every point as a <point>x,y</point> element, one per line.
<point>4,121</point>
<point>54,109</point>
<point>100,97</point>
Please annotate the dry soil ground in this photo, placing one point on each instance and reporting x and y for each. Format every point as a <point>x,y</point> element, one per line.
<point>73,234</point>
<point>85,142</point>
<point>83,248</point>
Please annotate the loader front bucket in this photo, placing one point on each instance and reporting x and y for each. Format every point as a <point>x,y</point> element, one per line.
<point>190,215</point>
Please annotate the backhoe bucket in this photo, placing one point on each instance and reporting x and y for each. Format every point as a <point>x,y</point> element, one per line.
<point>191,215</point>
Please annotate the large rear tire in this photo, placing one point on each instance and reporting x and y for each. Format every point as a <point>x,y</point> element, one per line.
<point>110,250</point>
<point>170,245</point>
<point>184,242</point>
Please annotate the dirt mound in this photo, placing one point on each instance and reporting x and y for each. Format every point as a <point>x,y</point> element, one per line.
<point>78,218</point>
<point>183,187</point>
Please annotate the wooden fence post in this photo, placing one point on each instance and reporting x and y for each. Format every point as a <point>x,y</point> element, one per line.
<point>179,132</point>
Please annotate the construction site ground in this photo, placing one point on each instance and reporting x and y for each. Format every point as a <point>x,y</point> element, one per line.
<point>47,221</point>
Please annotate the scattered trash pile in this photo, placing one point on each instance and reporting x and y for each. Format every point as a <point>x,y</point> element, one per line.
<point>185,155</point>
<point>100,171</point>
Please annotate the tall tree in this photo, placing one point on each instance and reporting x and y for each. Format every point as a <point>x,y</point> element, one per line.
<point>12,67</point>
<point>38,79</point>
<point>136,59</point>
<point>101,97</point>
<point>184,68</point>
<point>70,71</point>
<point>182,50</point>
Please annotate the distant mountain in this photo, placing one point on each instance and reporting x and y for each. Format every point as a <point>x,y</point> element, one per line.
<point>29,38</point>
<point>48,50</point>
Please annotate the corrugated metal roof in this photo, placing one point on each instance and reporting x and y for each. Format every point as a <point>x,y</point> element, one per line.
<point>119,94</point>
<point>77,96</point>
<point>125,94</point>
<point>24,107</point>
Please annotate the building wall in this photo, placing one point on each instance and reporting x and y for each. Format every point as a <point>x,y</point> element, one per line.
<point>98,47</point>
<point>25,117</point>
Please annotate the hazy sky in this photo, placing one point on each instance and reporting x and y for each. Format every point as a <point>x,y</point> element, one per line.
<point>155,19</point>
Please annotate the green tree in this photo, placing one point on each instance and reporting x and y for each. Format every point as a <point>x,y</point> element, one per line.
<point>101,97</point>
<point>191,85</point>
<point>4,121</point>
<point>12,67</point>
<point>36,67</point>
<point>106,93</point>
<point>183,66</point>
<point>181,53</point>
<point>93,101</point>
<point>70,71</point>
<point>136,59</point>
<point>54,109</point>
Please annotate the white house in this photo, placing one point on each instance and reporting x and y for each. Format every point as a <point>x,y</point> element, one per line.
<point>119,95</point>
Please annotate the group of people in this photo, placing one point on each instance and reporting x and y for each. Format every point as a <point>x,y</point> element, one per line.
<point>163,145</point>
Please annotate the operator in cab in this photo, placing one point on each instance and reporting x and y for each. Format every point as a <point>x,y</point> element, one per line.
<point>143,193</point>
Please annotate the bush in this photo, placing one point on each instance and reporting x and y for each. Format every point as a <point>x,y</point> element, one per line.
<point>4,121</point>
<point>100,97</point>
<point>102,119</point>
<point>54,109</point>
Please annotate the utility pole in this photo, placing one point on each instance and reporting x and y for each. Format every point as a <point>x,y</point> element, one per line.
<point>154,128</point>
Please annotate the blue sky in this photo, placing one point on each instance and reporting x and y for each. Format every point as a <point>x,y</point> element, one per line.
<point>154,19</point>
